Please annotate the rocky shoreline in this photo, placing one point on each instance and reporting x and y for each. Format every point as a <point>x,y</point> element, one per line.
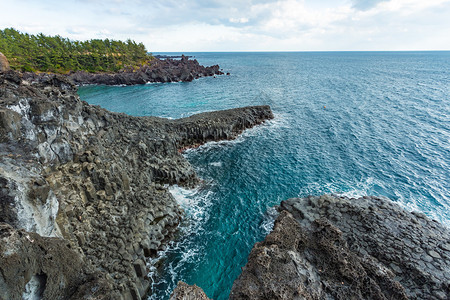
<point>333,247</point>
<point>159,70</point>
<point>84,203</point>
<point>83,190</point>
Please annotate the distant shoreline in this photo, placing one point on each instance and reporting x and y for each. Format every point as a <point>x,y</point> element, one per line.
<point>158,71</point>
<point>171,56</point>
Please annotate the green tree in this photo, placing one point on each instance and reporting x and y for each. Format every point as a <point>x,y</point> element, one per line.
<point>58,54</point>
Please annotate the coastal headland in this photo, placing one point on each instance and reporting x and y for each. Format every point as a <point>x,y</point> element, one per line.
<point>159,70</point>
<point>83,190</point>
<point>84,203</point>
<point>106,62</point>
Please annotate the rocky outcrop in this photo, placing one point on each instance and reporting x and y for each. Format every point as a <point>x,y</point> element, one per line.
<point>184,291</point>
<point>4,64</point>
<point>210,126</point>
<point>159,70</point>
<point>35,267</point>
<point>332,247</point>
<point>95,180</point>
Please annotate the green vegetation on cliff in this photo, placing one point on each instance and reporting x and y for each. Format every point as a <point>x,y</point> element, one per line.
<point>56,54</point>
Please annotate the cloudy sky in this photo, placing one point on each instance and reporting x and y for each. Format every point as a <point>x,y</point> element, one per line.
<point>241,25</point>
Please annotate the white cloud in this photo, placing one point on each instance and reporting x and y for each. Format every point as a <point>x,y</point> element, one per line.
<point>238,20</point>
<point>216,25</point>
<point>294,16</point>
<point>411,5</point>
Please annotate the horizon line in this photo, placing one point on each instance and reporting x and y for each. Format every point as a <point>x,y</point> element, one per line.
<point>294,51</point>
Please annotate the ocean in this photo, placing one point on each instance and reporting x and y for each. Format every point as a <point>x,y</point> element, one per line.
<point>352,123</point>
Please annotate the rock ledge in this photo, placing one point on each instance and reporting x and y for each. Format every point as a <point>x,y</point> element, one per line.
<point>333,247</point>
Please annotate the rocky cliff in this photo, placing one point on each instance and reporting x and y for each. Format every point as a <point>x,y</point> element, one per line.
<point>83,200</point>
<point>159,70</point>
<point>332,247</point>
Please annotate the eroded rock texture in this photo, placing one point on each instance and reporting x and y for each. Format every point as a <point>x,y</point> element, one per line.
<point>333,247</point>
<point>48,268</point>
<point>159,70</point>
<point>95,179</point>
<point>184,291</point>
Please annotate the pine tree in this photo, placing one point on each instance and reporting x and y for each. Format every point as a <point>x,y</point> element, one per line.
<point>58,54</point>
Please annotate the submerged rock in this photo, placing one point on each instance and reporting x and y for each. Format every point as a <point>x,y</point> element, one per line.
<point>332,247</point>
<point>95,179</point>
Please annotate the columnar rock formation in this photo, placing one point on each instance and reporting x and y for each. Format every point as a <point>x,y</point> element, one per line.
<point>81,184</point>
<point>333,247</point>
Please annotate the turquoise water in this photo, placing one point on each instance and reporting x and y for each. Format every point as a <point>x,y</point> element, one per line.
<point>358,123</point>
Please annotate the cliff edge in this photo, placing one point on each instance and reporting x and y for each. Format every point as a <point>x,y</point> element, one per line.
<point>333,247</point>
<point>158,70</point>
<point>84,186</point>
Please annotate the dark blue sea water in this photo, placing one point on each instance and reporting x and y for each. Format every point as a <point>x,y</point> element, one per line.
<point>358,123</point>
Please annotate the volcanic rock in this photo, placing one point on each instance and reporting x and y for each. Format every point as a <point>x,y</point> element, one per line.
<point>333,247</point>
<point>35,267</point>
<point>184,291</point>
<point>94,180</point>
<point>159,70</point>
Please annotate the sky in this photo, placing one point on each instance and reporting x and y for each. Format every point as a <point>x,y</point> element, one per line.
<point>241,25</point>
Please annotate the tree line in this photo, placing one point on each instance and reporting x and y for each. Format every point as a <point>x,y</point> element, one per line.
<point>41,53</point>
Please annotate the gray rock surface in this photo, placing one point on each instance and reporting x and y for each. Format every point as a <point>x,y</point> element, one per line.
<point>184,291</point>
<point>48,268</point>
<point>332,247</point>
<point>95,178</point>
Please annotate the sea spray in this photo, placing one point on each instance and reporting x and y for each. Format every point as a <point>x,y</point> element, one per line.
<point>168,266</point>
